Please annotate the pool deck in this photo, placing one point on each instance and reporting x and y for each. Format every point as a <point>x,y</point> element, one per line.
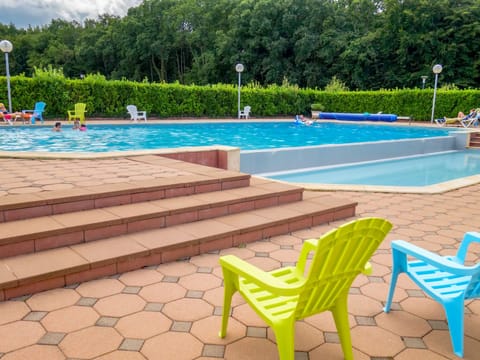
<point>172,310</point>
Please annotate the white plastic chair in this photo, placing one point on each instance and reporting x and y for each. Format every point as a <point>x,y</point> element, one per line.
<point>245,113</point>
<point>136,115</point>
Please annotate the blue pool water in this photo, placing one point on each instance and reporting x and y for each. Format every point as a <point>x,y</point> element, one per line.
<point>245,135</point>
<point>413,171</point>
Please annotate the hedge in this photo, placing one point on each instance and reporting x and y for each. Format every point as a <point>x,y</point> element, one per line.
<point>110,98</point>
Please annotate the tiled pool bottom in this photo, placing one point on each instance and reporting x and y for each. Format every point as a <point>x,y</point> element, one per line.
<point>433,173</point>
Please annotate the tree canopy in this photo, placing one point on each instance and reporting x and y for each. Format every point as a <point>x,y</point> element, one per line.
<point>365,44</point>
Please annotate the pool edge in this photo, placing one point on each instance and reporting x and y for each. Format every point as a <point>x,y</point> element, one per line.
<point>430,189</point>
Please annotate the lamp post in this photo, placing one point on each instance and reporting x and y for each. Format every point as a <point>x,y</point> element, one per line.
<point>239,69</point>
<point>437,69</point>
<point>424,78</point>
<point>6,46</point>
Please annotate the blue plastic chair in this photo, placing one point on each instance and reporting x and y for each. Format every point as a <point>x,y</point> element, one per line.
<point>444,278</point>
<point>37,112</point>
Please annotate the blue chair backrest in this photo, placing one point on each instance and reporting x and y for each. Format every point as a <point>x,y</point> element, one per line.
<point>39,107</point>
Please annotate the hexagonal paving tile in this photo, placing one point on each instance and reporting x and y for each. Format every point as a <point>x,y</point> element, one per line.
<point>119,305</point>
<point>140,277</point>
<point>263,246</point>
<point>386,344</point>
<point>171,345</point>
<point>90,342</point>
<point>162,292</point>
<point>177,268</point>
<point>425,308</point>
<point>200,282</point>
<point>246,315</point>
<point>36,352</point>
<point>285,255</point>
<point>100,288</point>
<point>143,325</point>
<point>206,260</point>
<point>215,297</point>
<point>12,310</point>
<point>122,355</point>
<point>251,348</point>
<point>324,321</point>
<point>403,323</point>
<point>307,337</point>
<point>363,306</point>
<point>334,352</point>
<point>379,291</point>
<point>70,319</point>
<point>53,299</point>
<point>30,332</point>
<point>241,252</point>
<point>207,330</point>
<point>187,309</point>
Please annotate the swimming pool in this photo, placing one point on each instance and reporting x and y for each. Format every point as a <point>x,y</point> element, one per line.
<point>421,170</point>
<point>245,135</point>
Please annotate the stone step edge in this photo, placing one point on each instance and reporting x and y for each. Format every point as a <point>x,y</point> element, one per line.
<point>58,235</point>
<point>12,286</point>
<point>58,202</point>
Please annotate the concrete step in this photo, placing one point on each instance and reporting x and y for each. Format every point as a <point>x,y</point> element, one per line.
<point>53,268</point>
<point>474,140</point>
<point>65,229</point>
<point>27,206</point>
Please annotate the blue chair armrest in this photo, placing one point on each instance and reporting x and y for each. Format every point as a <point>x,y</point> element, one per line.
<point>468,238</point>
<point>440,262</point>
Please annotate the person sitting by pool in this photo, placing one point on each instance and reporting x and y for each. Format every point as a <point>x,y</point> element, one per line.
<point>466,120</point>
<point>76,125</point>
<point>83,127</point>
<point>57,127</point>
<point>6,116</point>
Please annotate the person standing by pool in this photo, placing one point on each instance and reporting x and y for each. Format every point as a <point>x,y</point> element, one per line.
<point>57,127</point>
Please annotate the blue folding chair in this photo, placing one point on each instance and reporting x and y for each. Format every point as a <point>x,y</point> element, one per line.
<point>444,278</point>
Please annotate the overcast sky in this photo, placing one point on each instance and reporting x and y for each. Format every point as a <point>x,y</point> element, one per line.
<point>40,12</point>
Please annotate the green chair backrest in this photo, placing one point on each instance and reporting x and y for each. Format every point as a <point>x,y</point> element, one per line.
<point>340,256</point>
<point>80,108</point>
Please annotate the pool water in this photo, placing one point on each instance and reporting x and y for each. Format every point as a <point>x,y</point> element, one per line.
<point>245,135</point>
<point>421,170</point>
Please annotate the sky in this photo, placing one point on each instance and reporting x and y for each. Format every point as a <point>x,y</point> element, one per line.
<point>23,13</point>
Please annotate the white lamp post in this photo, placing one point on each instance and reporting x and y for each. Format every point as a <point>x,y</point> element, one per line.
<point>239,68</point>
<point>437,69</point>
<point>6,46</point>
<point>424,78</point>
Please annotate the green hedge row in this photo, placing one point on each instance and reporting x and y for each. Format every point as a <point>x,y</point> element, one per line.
<point>110,98</point>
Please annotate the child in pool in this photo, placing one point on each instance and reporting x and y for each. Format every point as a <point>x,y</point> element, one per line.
<point>57,127</point>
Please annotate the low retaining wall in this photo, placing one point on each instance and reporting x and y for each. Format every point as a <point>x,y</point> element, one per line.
<point>273,160</point>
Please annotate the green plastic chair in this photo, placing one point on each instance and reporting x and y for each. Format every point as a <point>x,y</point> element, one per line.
<point>78,113</point>
<point>283,296</point>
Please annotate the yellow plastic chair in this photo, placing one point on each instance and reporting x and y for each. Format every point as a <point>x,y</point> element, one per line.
<point>283,296</point>
<point>78,113</point>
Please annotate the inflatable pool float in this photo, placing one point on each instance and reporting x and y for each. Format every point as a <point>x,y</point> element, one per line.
<point>357,116</point>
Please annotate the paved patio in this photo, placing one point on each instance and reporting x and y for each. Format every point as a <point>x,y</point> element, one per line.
<point>172,311</point>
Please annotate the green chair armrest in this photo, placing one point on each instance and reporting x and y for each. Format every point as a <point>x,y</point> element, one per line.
<point>264,279</point>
